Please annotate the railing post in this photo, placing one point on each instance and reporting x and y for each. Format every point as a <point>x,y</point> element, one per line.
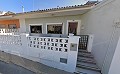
<point>72,55</point>
<point>22,26</point>
<point>24,44</point>
<point>90,42</point>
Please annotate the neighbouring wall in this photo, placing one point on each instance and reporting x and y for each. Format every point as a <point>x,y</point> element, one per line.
<point>8,22</point>
<point>101,22</point>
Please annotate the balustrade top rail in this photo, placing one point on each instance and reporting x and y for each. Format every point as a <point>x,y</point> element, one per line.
<point>10,39</point>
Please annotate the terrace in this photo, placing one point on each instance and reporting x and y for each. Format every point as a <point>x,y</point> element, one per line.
<point>57,51</point>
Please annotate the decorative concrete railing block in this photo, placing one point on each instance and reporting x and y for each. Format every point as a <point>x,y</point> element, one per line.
<point>90,42</point>
<point>9,31</point>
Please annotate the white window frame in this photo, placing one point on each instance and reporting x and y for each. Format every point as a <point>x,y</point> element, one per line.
<point>78,27</point>
<point>55,24</point>
<point>35,25</point>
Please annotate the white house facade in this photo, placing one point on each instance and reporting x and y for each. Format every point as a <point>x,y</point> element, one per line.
<point>52,36</point>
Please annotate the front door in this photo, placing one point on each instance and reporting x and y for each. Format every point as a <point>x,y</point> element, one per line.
<point>72,27</point>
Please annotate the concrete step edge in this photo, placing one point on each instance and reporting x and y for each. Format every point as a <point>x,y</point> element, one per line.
<point>87,61</point>
<point>80,55</point>
<point>88,67</point>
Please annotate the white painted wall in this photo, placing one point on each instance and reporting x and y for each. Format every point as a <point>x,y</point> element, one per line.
<point>115,67</point>
<point>100,22</point>
<point>46,50</point>
<point>22,26</point>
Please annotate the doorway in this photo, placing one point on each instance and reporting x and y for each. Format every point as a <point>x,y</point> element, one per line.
<point>72,27</point>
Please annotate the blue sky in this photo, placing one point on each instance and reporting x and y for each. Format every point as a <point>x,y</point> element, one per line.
<point>29,5</point>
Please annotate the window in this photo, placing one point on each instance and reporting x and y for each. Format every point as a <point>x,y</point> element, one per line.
<point>54,28</point>
<point>12,26</point>
<point>36,28</point>
<point>2,26</point>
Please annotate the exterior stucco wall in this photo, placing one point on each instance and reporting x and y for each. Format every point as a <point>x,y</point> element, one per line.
<point>8,22</point>
<point>22,25</point>
<point>115,67</point>
<point>44,21</point>
<point>100,22</point>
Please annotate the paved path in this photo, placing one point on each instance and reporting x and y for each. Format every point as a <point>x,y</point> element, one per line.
<point>13,69</point>
<point>30,66</point>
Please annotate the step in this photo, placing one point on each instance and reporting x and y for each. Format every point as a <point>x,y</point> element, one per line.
<point>84,51</point>
<point>86,60</point>
<point>88,66</point>
<point>85,71</point>
<point>88,55</point>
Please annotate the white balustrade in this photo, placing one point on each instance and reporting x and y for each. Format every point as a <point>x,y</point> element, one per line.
<point>10,39</point>
<point>56,52</point>
<point>49,43</point>
<point>9,31</point>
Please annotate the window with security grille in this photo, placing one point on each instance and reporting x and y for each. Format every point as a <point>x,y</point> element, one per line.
<point>2,26</point>
<point>36,29</point>
<point>12,26</point>
<point>54,28</point>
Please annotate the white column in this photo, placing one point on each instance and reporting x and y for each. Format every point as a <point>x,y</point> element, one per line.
<point>72,55</point>
<point>22,26</point>
<point>90,43</point>
<point>24,46</point>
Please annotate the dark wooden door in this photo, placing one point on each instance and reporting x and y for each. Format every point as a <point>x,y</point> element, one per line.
<point>72,28</point>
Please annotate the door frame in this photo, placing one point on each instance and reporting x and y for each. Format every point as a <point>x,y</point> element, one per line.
<point>78,26</point>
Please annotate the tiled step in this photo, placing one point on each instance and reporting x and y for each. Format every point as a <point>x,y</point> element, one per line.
<point>87,55</point>
<point>85,71</point>
<point>86,60</point>
<point>84,51</point>
<point>88,66</point>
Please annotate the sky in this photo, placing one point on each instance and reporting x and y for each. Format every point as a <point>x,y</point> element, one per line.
<point>30,5</point>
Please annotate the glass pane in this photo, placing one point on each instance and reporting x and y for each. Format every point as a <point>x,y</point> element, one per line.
<point>36,29</point>
<point>12,26</point>
<point>54,29</point>
<point>2,26</point>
